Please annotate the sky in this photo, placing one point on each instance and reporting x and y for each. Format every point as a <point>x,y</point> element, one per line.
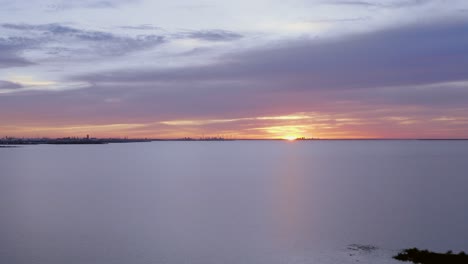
<point>236,69</point>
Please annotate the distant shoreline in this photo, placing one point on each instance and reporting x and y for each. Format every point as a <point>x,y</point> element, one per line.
<point>11,142</point>
<point>8,142</point>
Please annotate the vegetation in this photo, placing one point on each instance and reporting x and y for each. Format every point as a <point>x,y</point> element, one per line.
<point>426,257</point>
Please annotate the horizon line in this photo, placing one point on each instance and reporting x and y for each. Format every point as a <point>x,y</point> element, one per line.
<point>225,139</point>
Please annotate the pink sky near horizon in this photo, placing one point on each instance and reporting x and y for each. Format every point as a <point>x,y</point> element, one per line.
<point>329,69</point>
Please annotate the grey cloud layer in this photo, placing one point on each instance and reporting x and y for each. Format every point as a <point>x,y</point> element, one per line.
<point>212,35</point>
<point>62,5</point>
<point>96,42</point>
<point>58,39</point>
<point>382,4</point>
<point>417,54</point>
<point>421,66</point>
<point>10,51</point>
<point>142,27</point>
<point>90,3</point>
<point>259,62</point>
<point>9,85</point>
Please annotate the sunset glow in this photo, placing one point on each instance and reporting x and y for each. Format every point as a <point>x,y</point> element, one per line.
<point>330,69</point>
<point>290,138</point>
<point>243,132</point>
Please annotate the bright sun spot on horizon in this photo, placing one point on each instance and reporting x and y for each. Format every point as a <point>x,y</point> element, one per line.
<point>290,137</point>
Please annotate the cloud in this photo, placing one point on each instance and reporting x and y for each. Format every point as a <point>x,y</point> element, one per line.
<point>351,3</point>
<point>74,39</point>
<point>211,35</point>
<point>7,85</point>
<point>381,4</point>
<point>63,5</point>
<point>93,4</point>
<point>411,55</point>
<point>404,71</point>
<point>402,76</point>
<point>436,96</point>
<point>340,20</point>
<point>56,40</point>
<point>50,28</point>
<point>10,51</point>
<point>9,60</point>
<point>142,27</point>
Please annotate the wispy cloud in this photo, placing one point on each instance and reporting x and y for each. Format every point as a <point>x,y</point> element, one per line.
<point>64,40</point>
<point>142,27</point>
<point>381,4</point>
<point>10,51</point>
<point>366,71</point>
<point>71,38</point>
<point>351,3</point>
<point>93,4</point>
<point>211,35</point>
<point>9,85</point>
<point>398,56</point>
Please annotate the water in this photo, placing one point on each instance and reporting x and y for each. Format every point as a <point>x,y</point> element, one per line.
<point>231,202</point>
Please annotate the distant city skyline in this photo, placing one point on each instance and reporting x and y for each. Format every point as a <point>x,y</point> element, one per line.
<point>241,69</point>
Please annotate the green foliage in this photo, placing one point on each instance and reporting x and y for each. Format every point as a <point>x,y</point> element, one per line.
<point>426,257</point>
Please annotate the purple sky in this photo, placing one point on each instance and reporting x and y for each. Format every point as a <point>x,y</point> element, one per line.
<point>246,69</point>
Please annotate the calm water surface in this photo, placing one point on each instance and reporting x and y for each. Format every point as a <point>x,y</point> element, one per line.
<point>229,202</point>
